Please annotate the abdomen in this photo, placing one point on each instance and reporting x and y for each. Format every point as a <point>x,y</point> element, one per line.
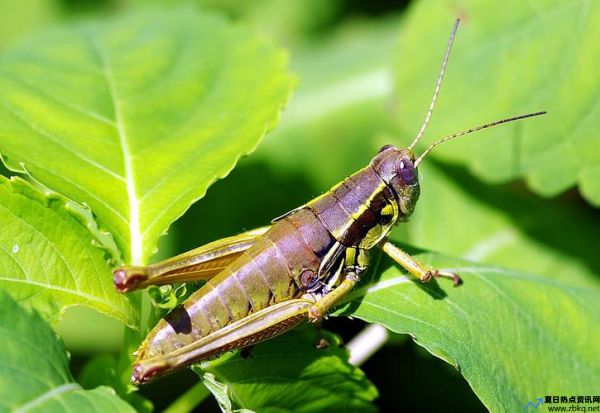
<point>278,267</point>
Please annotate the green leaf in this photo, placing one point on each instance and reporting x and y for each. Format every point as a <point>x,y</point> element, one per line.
<point>506,226</point>
<point>48,257</point>
<point>290,374</point>
<point>509,58</point>
<point>25,16</point>
<point>34,373</point>
<point>137,116</point>
<point>513,336</point>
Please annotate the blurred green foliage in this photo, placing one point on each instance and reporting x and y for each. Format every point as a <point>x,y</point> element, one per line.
<point>366,73</point>
<point>546,51</point>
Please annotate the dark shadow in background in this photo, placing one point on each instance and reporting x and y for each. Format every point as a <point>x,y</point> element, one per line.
<point>411,380</point>
<point>250,197</point>
<point>5,172</point>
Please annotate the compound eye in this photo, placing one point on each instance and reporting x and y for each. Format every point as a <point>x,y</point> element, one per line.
<point>407,172</point>
<point>384,147</point>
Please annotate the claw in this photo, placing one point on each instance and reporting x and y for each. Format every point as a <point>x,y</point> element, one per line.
<point>314,315</point>
<point>456,280</point>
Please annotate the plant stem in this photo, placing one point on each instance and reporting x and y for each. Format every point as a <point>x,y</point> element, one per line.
<point>366,343</point>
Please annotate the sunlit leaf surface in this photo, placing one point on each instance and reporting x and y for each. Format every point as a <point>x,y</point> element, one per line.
<point>48,257</point>
<point>137,116</point>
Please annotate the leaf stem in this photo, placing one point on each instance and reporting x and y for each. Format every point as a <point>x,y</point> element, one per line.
<point>188,400</point>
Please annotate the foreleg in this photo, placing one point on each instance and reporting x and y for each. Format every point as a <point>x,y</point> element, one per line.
<point>413,266</point>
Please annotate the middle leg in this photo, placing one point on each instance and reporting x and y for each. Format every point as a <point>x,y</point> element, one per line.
<point>355,263</point>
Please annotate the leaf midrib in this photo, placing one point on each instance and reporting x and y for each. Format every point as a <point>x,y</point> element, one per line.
<point>135,235</point>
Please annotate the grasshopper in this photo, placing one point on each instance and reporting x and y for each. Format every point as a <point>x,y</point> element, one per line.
<point>264,282</point>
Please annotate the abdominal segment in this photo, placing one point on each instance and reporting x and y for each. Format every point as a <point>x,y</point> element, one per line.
<point>278,267</point>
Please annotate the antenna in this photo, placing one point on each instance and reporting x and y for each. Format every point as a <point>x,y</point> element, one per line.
<point>437,86</point>
<point>475,129</point>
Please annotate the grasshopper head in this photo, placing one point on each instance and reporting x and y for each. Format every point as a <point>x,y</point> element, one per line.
<point>396,167</point>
